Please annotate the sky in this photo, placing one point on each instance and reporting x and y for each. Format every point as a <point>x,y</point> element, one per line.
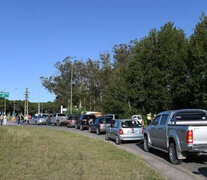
<point>35,34</point>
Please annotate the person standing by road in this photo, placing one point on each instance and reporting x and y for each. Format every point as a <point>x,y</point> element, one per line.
<point>1,118</point>
<point>18,120</point>
<point>4,120</point>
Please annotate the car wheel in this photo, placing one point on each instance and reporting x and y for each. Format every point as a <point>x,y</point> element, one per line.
<point>173,154</point>
<point>89,130</point>
<point>146,144</point>
<point>117,140</point>
<point>81,127</point>
<point>97,131</point>
<point>58,123</point>
<point>106,137</point>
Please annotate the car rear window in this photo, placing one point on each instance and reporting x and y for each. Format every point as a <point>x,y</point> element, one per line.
<point>130,124</point>
<point>73,117</point>
<point>106,121</point>
<point>61,115</point>
<point>191,116</point>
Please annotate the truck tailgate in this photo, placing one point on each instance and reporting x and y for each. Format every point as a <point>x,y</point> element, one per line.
<point>199,134</point>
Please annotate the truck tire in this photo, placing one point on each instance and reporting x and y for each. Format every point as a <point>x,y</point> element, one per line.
<point>97,131</point>
<point>146,144</point>
<point>117,140</point>
<point>173,154</point>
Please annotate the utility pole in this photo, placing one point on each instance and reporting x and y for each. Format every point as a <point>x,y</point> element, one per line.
<point>26,102</point>
<point>38,106</point>
<point>71,91</point>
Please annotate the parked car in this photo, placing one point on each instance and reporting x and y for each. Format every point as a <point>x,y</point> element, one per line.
<point>179,133</point>
<point>41,119</point>
<point>83,122</point>
<point>33,120</point>
<point>58,119</point>
<point>124,130</point>
<point>112,116</point>
<point>100,124</point>
<point>71,120</point>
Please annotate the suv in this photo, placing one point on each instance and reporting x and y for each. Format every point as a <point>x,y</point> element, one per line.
<point>83,122</point>
<point>100,124</point>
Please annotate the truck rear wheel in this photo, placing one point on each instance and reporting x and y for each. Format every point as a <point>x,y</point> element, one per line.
<point>173,154</point>
<point>146,144</point>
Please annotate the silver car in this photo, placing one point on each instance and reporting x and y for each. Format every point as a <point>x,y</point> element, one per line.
<point>41,119</point>
<point>124,130</point>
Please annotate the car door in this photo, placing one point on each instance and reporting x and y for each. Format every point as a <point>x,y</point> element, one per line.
<point>109,129</point>
<point>153,130</point>
<point>162,132</point>
<point>114,129</point>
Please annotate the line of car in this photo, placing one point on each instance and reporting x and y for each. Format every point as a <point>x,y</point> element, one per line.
<point>180,133</point>
<point>109,124</point>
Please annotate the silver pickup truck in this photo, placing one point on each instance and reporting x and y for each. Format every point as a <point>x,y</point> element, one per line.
<point>58,119</point>
<point>179,133</point>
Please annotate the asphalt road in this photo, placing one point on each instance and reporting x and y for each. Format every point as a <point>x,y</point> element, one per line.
<point>191,168</point>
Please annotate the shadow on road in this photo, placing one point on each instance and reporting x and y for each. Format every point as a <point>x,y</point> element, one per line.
<point>201,171</point>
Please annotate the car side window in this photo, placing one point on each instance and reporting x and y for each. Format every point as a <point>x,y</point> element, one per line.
<point>156,120</point>
<point>116,124</point>
<point>163,119</point>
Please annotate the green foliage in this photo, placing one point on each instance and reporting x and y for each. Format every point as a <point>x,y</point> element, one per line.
<point>164,70</point>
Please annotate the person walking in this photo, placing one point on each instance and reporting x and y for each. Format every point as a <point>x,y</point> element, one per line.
<point>18,120</point>
<point>1,118</point>
<point>4,120</point>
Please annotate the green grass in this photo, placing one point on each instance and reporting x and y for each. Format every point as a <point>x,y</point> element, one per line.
<point>35,153</point>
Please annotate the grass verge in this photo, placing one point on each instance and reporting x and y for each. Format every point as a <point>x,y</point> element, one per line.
<point>35,153</point>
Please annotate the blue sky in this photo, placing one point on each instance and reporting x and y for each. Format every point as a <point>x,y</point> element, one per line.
<point>34,34</point>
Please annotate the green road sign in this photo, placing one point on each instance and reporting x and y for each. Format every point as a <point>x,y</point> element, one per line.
<point>4,94</point>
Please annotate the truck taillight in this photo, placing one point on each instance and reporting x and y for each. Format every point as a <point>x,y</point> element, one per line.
<point>121,131</point>
<point>189,137</point>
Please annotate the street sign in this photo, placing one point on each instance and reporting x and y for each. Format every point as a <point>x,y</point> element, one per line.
<point>4,94</point>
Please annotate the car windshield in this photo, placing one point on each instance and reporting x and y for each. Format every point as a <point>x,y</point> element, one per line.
<point>130,124</point>
<point>73,117</point>
<point>191,116</point>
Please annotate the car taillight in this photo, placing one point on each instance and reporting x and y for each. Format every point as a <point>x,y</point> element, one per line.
<point>189,137</point>
<point>121,131</point>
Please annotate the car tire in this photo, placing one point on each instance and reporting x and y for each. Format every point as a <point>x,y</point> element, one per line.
<point>146,144</point>
<point>81,128</point>
<point>173,154</point>
<point>97,131</point>
<point>89,130</point>
<point>106,137</point>
<point>117,140</point>
<point>58,123</point>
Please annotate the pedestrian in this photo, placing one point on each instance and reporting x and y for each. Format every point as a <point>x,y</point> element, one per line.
<point>4,120</point>
<point>1,118</point>
<point>18,120</point>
